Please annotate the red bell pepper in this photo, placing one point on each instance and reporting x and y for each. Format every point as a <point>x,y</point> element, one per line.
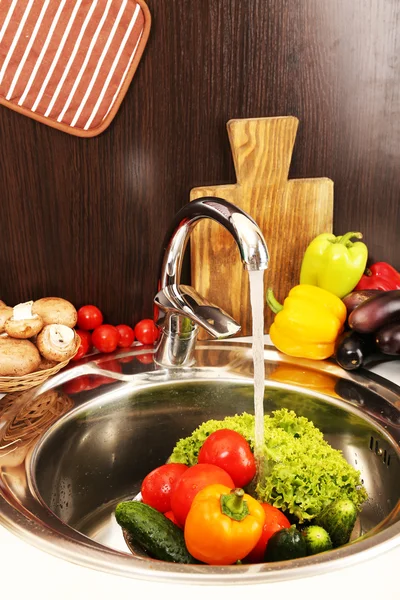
<point>379,276</point>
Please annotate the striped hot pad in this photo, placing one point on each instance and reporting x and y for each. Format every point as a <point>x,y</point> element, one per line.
<point>69,63</point>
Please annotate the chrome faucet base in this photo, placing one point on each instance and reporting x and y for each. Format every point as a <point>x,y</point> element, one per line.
<point>176,349</point>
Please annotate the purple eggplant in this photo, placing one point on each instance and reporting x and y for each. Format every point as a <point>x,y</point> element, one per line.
<point>388,339</point>
<point>376,312</point>
<point>352,348</point>
<point>357,297</point>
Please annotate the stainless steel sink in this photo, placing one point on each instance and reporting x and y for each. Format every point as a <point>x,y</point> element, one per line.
<point>82,442</point>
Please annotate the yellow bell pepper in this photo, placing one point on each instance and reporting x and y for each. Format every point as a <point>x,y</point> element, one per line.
<point>308,323</point>
<point>310,379</point>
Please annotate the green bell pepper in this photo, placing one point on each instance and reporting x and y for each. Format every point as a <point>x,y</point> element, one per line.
<point>334,263</point>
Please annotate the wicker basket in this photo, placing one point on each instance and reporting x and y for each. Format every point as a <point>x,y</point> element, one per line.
<point>31,419</point>
<point>25,382</point>
<point>36,415</point>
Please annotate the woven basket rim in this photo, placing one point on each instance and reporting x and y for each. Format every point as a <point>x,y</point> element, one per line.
<point>41,374</point>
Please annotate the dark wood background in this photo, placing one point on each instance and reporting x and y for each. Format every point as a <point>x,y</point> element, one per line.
<point>85,219</point>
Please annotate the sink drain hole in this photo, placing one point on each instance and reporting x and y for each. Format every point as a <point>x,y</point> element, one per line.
<point>383,454</point>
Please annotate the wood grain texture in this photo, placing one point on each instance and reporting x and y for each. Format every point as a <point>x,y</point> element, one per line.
<point>289,213</point>
<point>85,219</point>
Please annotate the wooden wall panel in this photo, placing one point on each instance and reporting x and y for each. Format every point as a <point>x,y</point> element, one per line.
<point>85,219</point>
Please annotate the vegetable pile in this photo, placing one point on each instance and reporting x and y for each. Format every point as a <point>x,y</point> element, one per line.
<point>304,472</point>
<point>36,335</point>
<point>341,308</point>
<point>201,507</point>
<point>93,331</point>
<point>373,319</point>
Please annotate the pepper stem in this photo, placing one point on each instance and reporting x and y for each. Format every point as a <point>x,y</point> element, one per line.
<point>233,505</point>
<point>272,302</point>
<point>346,238</point>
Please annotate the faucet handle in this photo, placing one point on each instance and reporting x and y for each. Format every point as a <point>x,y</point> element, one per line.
<point>183,300</point>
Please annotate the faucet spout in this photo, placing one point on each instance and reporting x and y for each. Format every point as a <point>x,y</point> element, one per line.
<point>181,309</point>
<point>248,236</point>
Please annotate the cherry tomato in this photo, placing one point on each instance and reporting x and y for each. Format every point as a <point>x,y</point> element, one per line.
<point>230,451</point>
<point>111,364</point>
<point>88,337</point>
<point>83,348</point>
<point>126,359</point>
<point>158,486</point>
<point>105,338</point>
<point>89,317</point>
<point>80,384</point>
<point>146,332</point>
<point>108,365</point>
<point>274,520</point>
<point>126,336</point>
<point>98,380</point>
<point>145,359</point>
<point>85,343</point>
<point>170,515</point>
<point>191,482</point>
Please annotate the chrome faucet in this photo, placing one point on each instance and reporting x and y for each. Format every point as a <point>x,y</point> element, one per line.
<point>181,310</point>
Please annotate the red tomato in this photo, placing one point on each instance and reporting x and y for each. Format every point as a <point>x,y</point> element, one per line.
<point>108,365</point>
<point>146,332</point>
<point>98,380</point>
<point>192,481</point>
<point>80,384</point>
<point>145,359</point>
<point>87,335</point>
<point>274,520</point>
<point>230,451</point>
<point>170,515</point>
<point>158,486</point>
<point>111,365</point>
<point>126,336</point>
<point>126,359</point>
<point>89,317</point>
<point>105,338</point>
<point>83,348</point>
<point>85,344</point>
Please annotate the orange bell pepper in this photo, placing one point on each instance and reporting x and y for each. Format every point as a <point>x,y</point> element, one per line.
<point>223,525</point>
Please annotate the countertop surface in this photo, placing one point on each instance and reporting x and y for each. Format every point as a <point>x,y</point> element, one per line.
<point>29,572</point>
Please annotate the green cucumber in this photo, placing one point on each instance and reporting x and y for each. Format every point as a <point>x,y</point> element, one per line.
<point>338,519</point>
<point>153,532</point>
<point>317,539</point>
<point>286,544</point>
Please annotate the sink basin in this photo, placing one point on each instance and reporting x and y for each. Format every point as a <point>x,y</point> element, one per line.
<point>82,442</point>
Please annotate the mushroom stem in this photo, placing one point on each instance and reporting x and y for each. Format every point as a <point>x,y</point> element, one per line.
<point>23,311</point>
<point>61,335</point>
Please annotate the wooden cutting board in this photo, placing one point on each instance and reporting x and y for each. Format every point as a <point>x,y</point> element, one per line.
<point>290,213</point>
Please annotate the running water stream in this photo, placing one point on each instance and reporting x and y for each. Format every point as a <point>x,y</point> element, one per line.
<point>256,280</point>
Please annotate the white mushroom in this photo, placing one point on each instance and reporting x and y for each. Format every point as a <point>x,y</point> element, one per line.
<point>17,357</point>
<point>56,310</point>
<point>5,313</point>
<point>23,324</point>
<point>57,342</point>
